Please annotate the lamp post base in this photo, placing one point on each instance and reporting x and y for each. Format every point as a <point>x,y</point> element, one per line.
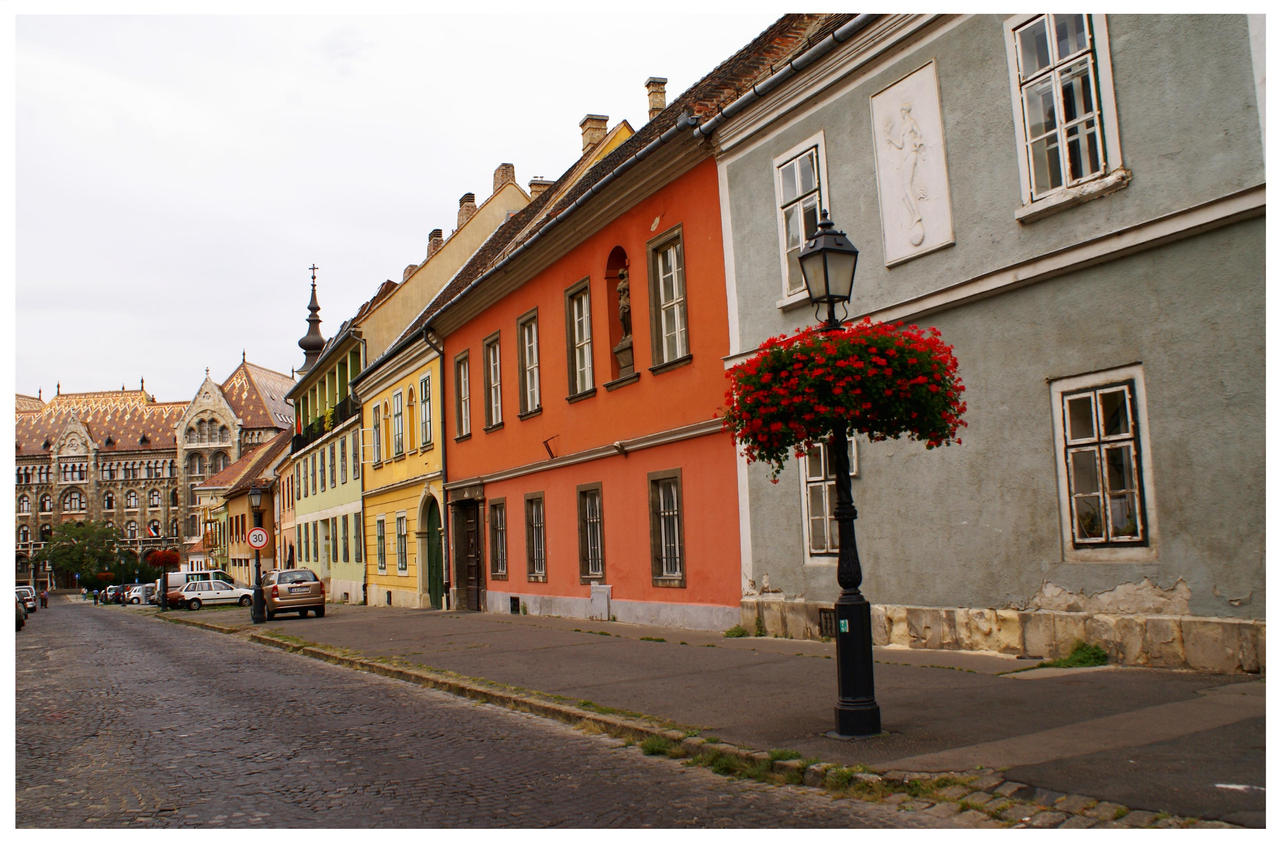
<point>857,714</point>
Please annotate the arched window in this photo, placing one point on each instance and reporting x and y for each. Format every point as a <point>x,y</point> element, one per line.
<point>191,435</point>
<point>108,501</point>
<point>73,501</point>
<point>24,505</point>
<point>408,433</point>
<point>110,524</point>
<point>153,498</point>
<point>131,500</point>
<point>202,430</point>
<point>24,534</point>
<point>173,497</point>
<point>195,464</point>
<point>131,529</point>
<point>224,435</point>
<point>46,503</point>
<point>220,461</point>
<point>154,529</point>
<point>173,528</point>
<point>46,532</point>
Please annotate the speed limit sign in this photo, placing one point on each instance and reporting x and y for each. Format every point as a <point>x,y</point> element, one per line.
<point>257,537</point>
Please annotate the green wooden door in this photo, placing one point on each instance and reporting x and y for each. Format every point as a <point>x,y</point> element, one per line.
<point>435,556</point>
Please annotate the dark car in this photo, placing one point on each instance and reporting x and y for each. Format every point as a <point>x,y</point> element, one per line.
<point>293,590</point>
<point>22,613</point>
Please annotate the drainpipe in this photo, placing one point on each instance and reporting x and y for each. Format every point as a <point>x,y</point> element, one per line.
<point>445,520</point>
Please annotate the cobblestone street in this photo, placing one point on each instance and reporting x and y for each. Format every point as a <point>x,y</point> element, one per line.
<point>126,722</point>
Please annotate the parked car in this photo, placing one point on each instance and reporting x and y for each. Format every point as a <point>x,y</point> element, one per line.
<point>27,594</point>
<point>114,593</point>
<point>293,590</point>
<point>139,594</point>
<point>22,612</point>
<point>196,594</point>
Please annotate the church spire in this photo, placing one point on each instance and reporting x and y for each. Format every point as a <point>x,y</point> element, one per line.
<point>313,342</point>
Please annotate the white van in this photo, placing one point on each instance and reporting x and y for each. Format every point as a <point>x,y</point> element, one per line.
<point>175,580</point>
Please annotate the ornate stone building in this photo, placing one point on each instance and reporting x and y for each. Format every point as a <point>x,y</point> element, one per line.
<point>125,458</point>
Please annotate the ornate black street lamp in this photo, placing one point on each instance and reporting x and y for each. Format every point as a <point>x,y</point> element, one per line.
<point>259,611</point>
<point>828,262</point>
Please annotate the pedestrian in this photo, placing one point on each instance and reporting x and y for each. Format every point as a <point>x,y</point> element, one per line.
<point>44,599</point>
<point>95,597</point>
<point>84,593</point>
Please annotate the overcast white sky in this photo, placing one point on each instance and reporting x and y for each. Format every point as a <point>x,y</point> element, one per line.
<point>176,175</point>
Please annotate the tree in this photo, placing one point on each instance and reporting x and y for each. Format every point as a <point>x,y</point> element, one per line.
<point>80,547</point>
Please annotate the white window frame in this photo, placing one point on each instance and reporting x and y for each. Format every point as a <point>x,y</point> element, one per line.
<point>669,315</point>
<point>424,407</point>
<point>377,434</point>
<point>530,372</point>
<point>462,383</point>
<point>493,382</point>
<point>402,543</point>
<point>1072,550</point>
<point>1112,175</point>
<point>498,538</point>
<point>397,423</point>
<point>581,370</point>
<point>380,542</point>
<point>816,143</point>
<point>808,482</point>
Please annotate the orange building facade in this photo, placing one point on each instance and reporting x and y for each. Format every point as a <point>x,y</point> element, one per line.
<point>589,474</point>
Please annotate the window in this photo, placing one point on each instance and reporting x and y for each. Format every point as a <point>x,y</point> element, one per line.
<point>535,538</point>
<point>46,503</point>
<point>377,434</point>
<point>24,534</point>
<point>820,499</point>
<point>358,553</point>
<point>355,455</point>
<point>1104,472</point>
<point>24,505</point>
<point>666,531</point>
<point>131,530</point>
<point>1064,112</point>
<point>498,539</point>
<point>397,424</point>
<point>492,383</point>
<point>462,383</point>
<point>424,398</point>
<point>333,468</point>
<point>590,533</point>
<point>578,319</point>
<point>155,529</point>
<point>381,544</point>
<point>322,475</point>
<point>342,457</point>
<point>409,428</point>
<point>668,314</point>
<point>799,190</point>
<point>153,498</point>
<point>131,500</point>
<point>73,501</point>
<point>346,541</point>
<point>402,544</point>
<point>313,472</point>
<point>530,384</point>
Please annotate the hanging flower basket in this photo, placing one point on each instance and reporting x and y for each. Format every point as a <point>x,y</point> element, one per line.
<point>881,379</point>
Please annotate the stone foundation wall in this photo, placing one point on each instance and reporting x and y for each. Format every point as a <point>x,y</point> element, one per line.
<point>1206,644</point>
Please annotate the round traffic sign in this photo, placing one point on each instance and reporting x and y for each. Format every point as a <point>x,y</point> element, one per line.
<point>257,537</point>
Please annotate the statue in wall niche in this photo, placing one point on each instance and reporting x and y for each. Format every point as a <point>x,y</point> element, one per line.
<point>907,138</point>
<point>624,302</point>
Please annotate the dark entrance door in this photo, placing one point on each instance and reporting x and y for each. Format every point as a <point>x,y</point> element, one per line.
<point>467,535</point>
<point>435,556</point>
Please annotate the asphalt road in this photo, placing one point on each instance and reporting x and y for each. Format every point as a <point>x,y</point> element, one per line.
<point>123,721</point>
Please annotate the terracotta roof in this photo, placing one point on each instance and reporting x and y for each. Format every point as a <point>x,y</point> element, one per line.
<point>116,421</point>
<point>26,403</point>
<point>259,461</point>
<point>785,38</point>
<point>256,395</point>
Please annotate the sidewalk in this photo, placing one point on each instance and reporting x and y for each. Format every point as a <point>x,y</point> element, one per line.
<point>1157,742</point>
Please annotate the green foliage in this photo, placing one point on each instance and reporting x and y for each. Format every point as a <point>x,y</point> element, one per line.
<point>736,631</point>
<point>83,547</point>
<point>656,745</point>
<point>776,754</point>
<point>655,639</point>
<point>1083,655</point>
<point>760,630</point>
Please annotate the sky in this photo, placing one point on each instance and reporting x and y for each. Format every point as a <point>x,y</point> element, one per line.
<point>177,175</point>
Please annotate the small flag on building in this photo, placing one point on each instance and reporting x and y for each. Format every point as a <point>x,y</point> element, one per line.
<point>154,529</point>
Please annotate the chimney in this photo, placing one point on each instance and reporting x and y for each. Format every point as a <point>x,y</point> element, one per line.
<point>435,242</point>
<point>409,270</point>
<point>594,127</point>
<point>504,174</point>
<point>538,186</point>
<point>466,208</point>
<point>657,87</point>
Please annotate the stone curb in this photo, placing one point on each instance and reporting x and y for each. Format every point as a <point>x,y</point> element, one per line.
<point>972,798</point>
